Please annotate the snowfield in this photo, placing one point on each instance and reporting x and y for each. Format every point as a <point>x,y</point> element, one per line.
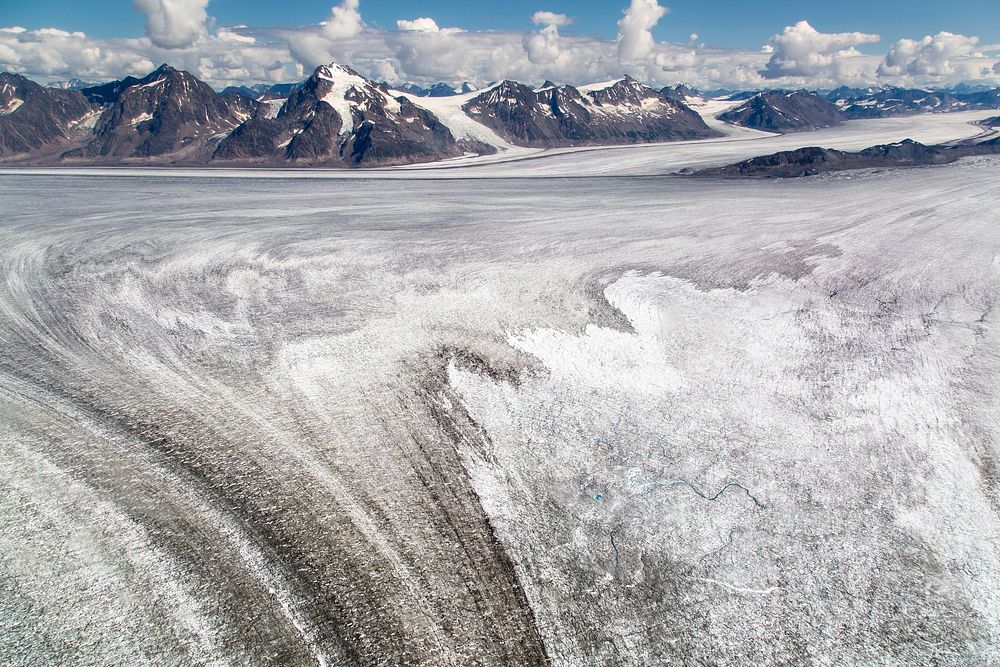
<point>448,110</point>
<point>568,421</point>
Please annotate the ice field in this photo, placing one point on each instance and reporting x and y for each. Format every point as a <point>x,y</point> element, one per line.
<point>255,418</point>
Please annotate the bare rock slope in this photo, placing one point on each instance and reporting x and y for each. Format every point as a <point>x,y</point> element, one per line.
<point>777,111</point>
<point>169,113</point>
<point>33,117</point>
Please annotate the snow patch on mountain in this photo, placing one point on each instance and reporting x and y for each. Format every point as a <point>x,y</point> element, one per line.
<point>344,83</point>
<point>12,105</point>
<point>449,111</point>
<point>593,87</point>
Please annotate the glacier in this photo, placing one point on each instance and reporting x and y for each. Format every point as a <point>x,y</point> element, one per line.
<point>453,416</point>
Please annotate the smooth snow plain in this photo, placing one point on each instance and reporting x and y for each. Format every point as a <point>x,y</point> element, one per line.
<point>591,421</point>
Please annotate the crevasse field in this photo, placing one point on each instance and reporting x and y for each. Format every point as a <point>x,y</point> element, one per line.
<point>500,421</point>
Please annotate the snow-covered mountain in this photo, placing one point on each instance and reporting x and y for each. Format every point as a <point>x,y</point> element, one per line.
<point>778,111</point>
<point>617,112</point>
<point>339,117</point>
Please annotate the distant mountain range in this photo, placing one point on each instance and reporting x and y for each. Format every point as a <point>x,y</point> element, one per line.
<point>438,90</point>
<point>71,84</point>
<point>798,111</point>
<point>885,102</point>
<point>339,118</point>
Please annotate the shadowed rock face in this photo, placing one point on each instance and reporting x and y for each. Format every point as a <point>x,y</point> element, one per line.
<point>34,117</point>
<point>249,92</point>
<point>785,112</point>
<point>813,160</point>
<point>109,93</point>
<point>279,91</point>
<point>624,113</point>
<point>338,117</point>
<point>168,113</point>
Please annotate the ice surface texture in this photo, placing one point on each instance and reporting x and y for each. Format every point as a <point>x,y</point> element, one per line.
<point>511,422</point>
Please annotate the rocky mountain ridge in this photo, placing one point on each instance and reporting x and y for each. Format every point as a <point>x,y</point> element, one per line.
<point>335,118</point>
<point>622,112</point>
<point>339,118</point>
<point>168,112</point>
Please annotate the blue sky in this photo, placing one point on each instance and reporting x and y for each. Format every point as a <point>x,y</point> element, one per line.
<point>722,23</point>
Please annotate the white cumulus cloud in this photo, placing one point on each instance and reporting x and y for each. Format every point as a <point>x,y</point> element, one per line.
<point>543,47</point>
<point>345,21</point>
<point>928,57</point>
<point>802,51</point>
<point>418,25</point>
<point>635,37</point>
<point>174,24</point>
<point>550,18</point>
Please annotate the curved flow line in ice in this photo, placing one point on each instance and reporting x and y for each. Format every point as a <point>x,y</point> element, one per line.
<point>255,561</point>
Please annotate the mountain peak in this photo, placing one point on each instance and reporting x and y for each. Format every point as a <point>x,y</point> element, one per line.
<point>164,72</point>
<point>335,72</point>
